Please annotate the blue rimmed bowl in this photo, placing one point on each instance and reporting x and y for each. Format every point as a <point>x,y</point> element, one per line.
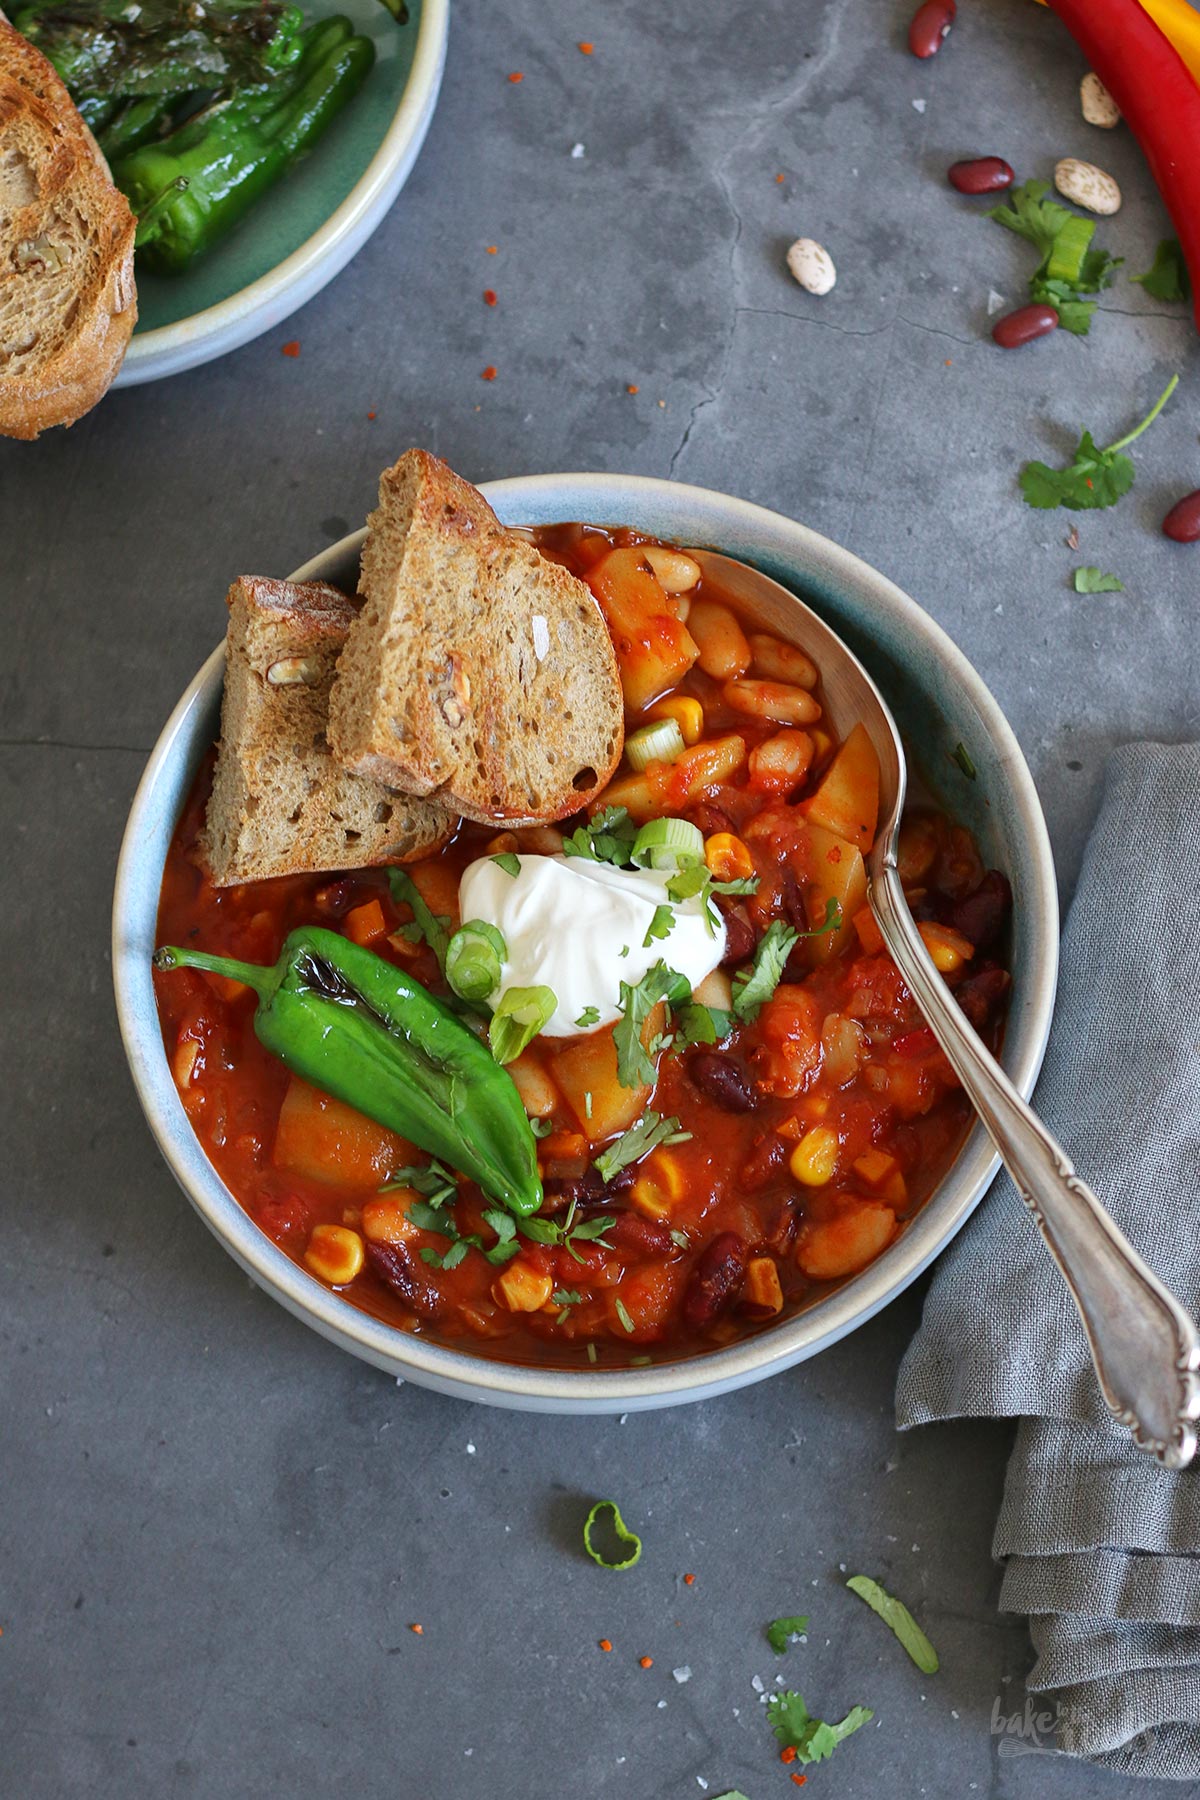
<point>941,704</point>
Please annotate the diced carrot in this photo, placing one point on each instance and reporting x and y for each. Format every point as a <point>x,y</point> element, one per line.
<point>869,934</point>
<point>365,923</point>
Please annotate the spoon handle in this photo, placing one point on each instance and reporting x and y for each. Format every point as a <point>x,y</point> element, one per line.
<point>1145,1347</point>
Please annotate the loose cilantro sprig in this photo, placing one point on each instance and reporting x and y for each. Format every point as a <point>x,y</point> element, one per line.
<point>898,1619</point>
<point>437,1184</point>
<point>635,1067</point>
<point>696,882</point>
<point>606,838</point>
<point>753,987</point>
<point>434,928</point>
<point>651,1130</point>
<point>782,1632</point>
<point>812,1739</point>
<point>1069,267</point>
<point>660,925</point>
<point>1095,477</point>
<point>564,1233</point>
<point>1167,277</point>
<point>1095,581</point>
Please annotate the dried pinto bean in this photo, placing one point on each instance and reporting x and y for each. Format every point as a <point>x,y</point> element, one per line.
<point>396,1265</point>
<point>721,1080</point>
<point>715,1280</point>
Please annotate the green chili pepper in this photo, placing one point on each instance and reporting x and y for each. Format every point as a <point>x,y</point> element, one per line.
<point>358,1028</point>
<point>193,186</point>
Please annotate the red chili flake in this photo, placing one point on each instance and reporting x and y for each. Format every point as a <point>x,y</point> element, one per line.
<point>489,374</point>
<point>292,349</point>
<point>606,1644</point>
<point>516,76</point>
<point>632,387</point>
<point>788,1753</point>
<point>370,415</point>
<point>799,1780</point>
<point>492,249</point>
<point>418,1629</point>
<point>1089,481</point>
<point>781,178</point>
<point>587,49</point>
<point>489,296</point>
<point>645,1662</point>
<point>689,1580</point>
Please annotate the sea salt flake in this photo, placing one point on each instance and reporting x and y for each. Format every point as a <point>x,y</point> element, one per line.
<point>919,106</point>
<point>682,1674</point>
<point>577,151</point>
<point>996,302</point>
<point>470,1449</point>
<point>756,1682</point>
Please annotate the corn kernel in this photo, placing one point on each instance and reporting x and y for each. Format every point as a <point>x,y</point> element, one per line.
<point>522,1288</point>
<point>335,1254</point>
<point>658,1186</point>
<point>687,713</point>
<point>814,1159</point>
<point>949,949</point>
<point>727,857</point>
<point>762,1292</point>
<point>647,1197</point>
<point>183,1063</point>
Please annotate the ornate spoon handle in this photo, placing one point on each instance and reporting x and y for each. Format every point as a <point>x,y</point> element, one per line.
<point>1145,1347</point>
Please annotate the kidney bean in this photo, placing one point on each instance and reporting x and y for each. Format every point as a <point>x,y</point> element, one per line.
<point>721,1080</point>
<point>1183,521</point>
<point>709,819</point>
<point>764,1159</point>
<point>590,1187</point>
<point>982,993</point>
<point>396,1265</point>
<point>981,916</point>
<point>1024,326</point>
<point>333,899</point>
<point>980,175</point>
<point>931,26</point>
<point>629,1231</point>
<point>714,1282</point>
<point>739,937</point>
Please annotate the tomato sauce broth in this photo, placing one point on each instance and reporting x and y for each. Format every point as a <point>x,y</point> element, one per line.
<point>815,1131</point>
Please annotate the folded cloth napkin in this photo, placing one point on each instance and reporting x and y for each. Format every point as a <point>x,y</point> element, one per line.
<point>1101,1545</point>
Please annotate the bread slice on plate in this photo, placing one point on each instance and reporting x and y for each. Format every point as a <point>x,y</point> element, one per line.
<point>478,671</point>
<point>68,303</point>
<point>280,805</point>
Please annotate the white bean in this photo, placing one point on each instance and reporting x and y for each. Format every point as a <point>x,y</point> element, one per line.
<point>1087,186</point>
<point>812,265</point>
<point>674,569</point>
<point>1099,107</point>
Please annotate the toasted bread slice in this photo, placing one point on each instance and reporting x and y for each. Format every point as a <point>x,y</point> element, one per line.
<point>280,805</point>
<point>67,298</point>
<point>478,671</point>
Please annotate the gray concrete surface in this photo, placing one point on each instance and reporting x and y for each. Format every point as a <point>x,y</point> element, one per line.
<point>216,1530</point>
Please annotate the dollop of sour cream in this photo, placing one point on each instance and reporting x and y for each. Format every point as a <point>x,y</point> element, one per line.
<point>580,928</point>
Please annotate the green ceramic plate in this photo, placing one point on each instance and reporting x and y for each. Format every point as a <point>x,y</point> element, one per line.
<point>299,236</point>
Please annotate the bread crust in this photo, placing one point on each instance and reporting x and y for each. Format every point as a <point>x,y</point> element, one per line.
<point>478,671</point>
<point>76,210</point>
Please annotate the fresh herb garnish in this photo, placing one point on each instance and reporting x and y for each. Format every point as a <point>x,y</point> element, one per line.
<point>509,861</point>
<point>647,1134</point>
<point>659,926</point>
<point>606,838</point>
<point>434,928</point>
<point>1095,477</point>
<point>1167,277</point>
<point>448,1259</point>
<point>566,1297</point>
<point>589,1016</point>
<point>541,1128</point>
<point>429,1217</point>
<point>753,987</point>
<point>564,1234</point>
<point>812,1739</point>
<point>1069,266</point>
<point>963,758</point>
<point>781,1632</point>
<point>634,1065</point>
<point>897,1618</point>
<point>437,1184</point>
<point>1095,581</point>
<point>698,881</point>
<point>622,1312</point>
<point>700,1024</point>
<point>621,1547</point>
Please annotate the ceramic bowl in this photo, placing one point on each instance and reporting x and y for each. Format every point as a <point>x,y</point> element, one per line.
<point>941,703</point>
<point>294,242</point>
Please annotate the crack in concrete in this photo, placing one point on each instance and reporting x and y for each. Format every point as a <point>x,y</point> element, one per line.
<point>60,744</point>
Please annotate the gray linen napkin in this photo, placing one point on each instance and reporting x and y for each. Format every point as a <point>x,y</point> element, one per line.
<point>1101,1546</point>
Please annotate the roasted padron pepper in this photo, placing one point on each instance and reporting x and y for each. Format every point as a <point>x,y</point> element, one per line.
<point>191,187</point>
<point>360,1029</point>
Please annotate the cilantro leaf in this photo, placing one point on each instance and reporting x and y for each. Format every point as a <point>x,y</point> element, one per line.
<point>565,1233</point>
<point>897,1618</point>
<point>620,1548</point>
<point>659,926</point>
<point>505,1228</point>
<point>1167,277</point>
<point>433,927</point>
<point>509,861</point>
<point>780,1632</point>
<point>701,1024</point>
<point>1070,266</point>
<point>589,1016</point>
<point>1026,212</point>
<point>1095,581</point>
<point>606,838</point>
<point>812,1739</point>
<point>566,1297</point>
<point>437,1184</point>
<point>647,1134</point>
<point>448,1259</point>
<point>1074,315</point>
<point>1095,477</point>
<point>753,987</point>
<point>634,1066</point>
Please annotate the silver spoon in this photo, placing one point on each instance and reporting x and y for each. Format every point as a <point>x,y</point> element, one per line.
<point>1144,1346</point>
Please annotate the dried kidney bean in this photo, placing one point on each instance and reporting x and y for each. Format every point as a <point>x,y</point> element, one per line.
<point>394,1264</point>
<point>715,1280</point>
<point>981,916</point>
<point>980,175</point>
<point>1182,523</point>
<point>930,27</point>
<point>1025,326</point>
<point>722,1081</point>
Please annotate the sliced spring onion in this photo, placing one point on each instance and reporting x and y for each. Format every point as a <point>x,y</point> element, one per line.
<point>660,742</point>
<point>621,1548</point>
<point>897,1617</point>
<point>517,1020</point>
<point>474,958</point>
<point>1070,246</point>
<point>668,844</point>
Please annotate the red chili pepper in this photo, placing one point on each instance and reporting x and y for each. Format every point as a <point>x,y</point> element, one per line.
<point>1158,99</point>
